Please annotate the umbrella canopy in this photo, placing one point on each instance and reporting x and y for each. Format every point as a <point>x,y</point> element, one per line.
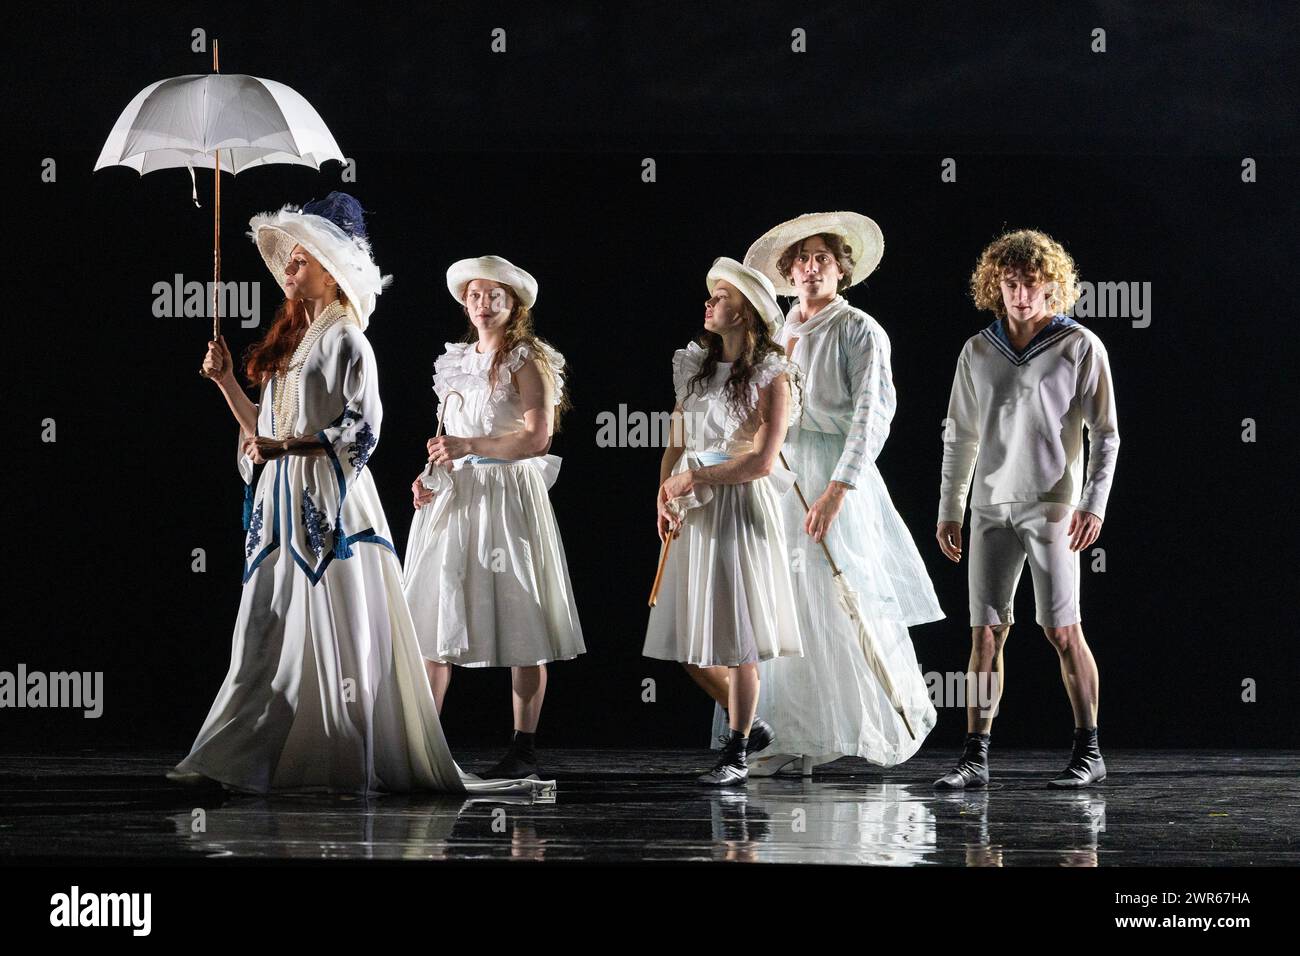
<point>185,120</point>
<point>217,121</point>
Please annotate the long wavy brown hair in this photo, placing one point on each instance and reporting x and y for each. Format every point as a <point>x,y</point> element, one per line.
<point>519,331</point>
<point>271,353</point>
<point>758,344</point>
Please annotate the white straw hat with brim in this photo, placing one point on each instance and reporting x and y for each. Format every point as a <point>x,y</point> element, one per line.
<point>753,285</point>
<point>862,235</point>
<point>495,268</point>
<point>348,259</point>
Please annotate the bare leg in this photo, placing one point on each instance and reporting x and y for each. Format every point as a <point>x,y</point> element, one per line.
<point>985,681</point>
<point>986,664</point>
<point>713,681</point>
<point>1078,672</point>
<point>439,680</point>
<point>743,696</point>
<point>528,686</point>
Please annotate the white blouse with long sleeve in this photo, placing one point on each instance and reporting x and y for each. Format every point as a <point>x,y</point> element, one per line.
<point>845,357</point>
<point>1016,419</point>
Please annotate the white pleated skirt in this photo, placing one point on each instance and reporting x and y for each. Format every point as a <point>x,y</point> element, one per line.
<point>485,573</point>
<point>726,597</point>
<point>830,700</point>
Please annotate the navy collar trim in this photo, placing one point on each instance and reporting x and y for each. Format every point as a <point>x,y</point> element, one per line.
<point>1060,326</point>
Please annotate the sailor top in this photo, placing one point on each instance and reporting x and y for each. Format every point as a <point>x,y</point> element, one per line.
<point>1016,420</point>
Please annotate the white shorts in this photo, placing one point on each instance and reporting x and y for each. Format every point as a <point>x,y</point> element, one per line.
<point>1001,538</point>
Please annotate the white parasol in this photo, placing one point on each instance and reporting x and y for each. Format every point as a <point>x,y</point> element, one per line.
<point>222,122</point>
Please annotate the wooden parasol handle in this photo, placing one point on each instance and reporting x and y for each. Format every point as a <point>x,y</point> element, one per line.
<point>216,233</point>
<point>659,572</point>
<point>835,571</point>
<point>438,434</point>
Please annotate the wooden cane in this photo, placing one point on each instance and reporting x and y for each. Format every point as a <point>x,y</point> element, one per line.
<point>659,572</point>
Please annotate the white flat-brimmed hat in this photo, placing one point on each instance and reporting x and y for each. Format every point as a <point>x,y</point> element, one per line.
<point>753,285</point>
<point>495,268</point>
<point>333,231</point>
<point>862,235</point>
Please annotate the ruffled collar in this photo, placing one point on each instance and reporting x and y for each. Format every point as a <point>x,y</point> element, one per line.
<point>466,353</point>
<point>463,366</point>
<point>697,353</point>
<point>796,329</point>
<point>688,361</point>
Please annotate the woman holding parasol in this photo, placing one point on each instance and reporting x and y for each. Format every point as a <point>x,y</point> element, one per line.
<point>324,690</point>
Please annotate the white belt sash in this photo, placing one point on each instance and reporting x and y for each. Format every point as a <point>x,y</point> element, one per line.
<point>782,479</point>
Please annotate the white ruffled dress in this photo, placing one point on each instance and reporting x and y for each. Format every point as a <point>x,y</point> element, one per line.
<point>726,597</point>
<point>485,573</point>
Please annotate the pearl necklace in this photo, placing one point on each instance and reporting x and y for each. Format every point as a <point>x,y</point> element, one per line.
<point>285,407</point>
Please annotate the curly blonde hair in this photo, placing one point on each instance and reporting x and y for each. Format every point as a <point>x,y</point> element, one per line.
<point>1036,254</point>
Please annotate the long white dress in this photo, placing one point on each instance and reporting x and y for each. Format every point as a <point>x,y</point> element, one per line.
<point>726,597</point>
<point>325,690</point>
<point>485,572</point>
<point>830,701</point>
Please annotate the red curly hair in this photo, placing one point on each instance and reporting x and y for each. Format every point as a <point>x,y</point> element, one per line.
<point>271,354</point>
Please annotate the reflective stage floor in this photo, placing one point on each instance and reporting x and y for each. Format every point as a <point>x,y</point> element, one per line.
<point>1176,808</point>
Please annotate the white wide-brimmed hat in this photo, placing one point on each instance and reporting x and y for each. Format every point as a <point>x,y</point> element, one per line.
<point>753,285</point>
<point>862,234</point>
<point>342,250</point>
<point>495,268</point>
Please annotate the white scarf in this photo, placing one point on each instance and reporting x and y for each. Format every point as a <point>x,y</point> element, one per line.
<point>794,328</point>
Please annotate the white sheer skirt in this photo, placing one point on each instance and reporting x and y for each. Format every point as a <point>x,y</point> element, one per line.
<point>829,700</point>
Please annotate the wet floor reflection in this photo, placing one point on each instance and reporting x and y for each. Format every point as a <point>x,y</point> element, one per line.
<point>1230,813</point>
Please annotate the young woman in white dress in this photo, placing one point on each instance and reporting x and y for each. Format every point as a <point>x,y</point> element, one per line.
<point>485,572</point>
<point>726,600</point>
<point>831,702</point>
<point>325,690</point>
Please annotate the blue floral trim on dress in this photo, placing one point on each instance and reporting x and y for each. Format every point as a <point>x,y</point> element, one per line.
<point>346,419</point>
<point>276,511</point>
<point>254,532</point>
<point>316,569</point>
<point>315,522</point>
<point>362,447</point>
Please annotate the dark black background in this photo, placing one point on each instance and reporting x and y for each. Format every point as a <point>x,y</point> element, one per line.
<point>1131,157</point>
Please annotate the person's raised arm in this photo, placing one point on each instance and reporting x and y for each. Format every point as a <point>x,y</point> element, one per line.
<point>221,370</point>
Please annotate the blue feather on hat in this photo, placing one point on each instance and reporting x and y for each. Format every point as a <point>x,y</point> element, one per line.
<point>341,209</point>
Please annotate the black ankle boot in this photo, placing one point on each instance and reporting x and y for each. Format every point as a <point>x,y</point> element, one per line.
<point>1085,766</point>
<point>761,736</point>
<point>972,770</point>
<point>732,768</point>
<point>519,762</point>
